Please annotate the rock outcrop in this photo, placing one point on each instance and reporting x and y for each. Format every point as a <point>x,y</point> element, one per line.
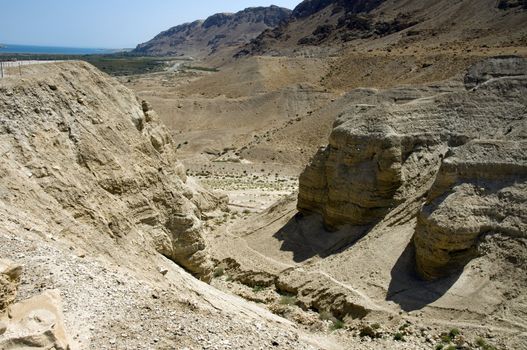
<point>481,189</point>
<point>9,279</point>
<point>83,154</point>
<point>462,144</point>
<point>218,32</point>
<point>35,323</point>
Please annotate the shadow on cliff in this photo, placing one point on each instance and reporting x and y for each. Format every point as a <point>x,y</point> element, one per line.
<point>305,236</point>
<point>409,290</point>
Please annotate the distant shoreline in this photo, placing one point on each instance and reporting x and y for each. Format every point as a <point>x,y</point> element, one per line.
<point>54,50</point>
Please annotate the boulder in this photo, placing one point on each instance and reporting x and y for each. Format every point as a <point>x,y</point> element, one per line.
<point>36,323</point>
<point>9,279</point>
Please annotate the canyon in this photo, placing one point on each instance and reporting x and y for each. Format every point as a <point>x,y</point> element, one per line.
<point>346,175</point>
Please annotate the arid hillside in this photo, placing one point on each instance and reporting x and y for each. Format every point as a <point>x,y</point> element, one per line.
<point>322,27</point>
<point>410,223</point>
<point>348,175</point>
<point>219,32</point>
<point>97,213</point>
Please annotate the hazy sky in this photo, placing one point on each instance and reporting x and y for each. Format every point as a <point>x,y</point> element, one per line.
<point>106,23</point>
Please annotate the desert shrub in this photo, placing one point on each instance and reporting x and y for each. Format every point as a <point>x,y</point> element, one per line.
<point>482,344</point>
<point>445,338</point>
<point>369,331</point>
<point>454,332</point>
<point>287,300</point>
<point>258,288</point>
<point>404,326</point>
<point>326,316</point>
<point>218,272</point>
<point>337,324</point>
<point>398,336</point>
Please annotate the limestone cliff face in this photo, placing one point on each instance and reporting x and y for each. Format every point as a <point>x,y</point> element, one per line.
<point>464,145</point>
<point>361,173</point>
<point>372,162</point>
<point>481,189</point>
<point>82,154</point>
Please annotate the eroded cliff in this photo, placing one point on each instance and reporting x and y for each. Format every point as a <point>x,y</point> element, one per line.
<point>460,147</point>
<point>81,153</point>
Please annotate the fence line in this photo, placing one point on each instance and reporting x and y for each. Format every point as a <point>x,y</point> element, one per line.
<point>13,64</point>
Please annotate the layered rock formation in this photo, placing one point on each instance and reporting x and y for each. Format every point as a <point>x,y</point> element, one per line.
<point>463,144</point>
<point>481,189</point>
<point>83,155</point>
<point>219,31</point>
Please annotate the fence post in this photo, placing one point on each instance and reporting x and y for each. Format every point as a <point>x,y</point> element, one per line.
<point>19,69</point>
<point>1,69</point>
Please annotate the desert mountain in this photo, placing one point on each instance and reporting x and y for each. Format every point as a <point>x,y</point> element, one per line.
<point>322,26</point>
<point>218,32</point>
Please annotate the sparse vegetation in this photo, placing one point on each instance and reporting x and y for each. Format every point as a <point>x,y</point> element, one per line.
<point>218,272</point>
<point>398,336</point>
<point>454,332</point>
<point>288,299</point>
<point>482,344</point>
<point>369,331</point>
<point>326,316</point>
<point>258,288</point>
<point>201,68</point>
<point>337,324</point>
<point>445,338</point>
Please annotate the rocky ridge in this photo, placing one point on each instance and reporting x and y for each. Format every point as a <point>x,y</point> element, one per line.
<point>324,27</point>
<point>218,32</point>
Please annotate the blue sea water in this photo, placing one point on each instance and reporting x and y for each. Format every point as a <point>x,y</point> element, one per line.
<point>6,48</point>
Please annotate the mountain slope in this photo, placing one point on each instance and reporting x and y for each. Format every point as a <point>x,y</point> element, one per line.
<point>219,31</point>
<point>317,25</point>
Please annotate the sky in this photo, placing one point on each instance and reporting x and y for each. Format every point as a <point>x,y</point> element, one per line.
<point>106,23</point>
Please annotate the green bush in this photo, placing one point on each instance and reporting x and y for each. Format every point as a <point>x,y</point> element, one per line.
<point>454,332</point>
<point>481,343</point>
<point>337,324</point>
<point>398,336</point>
<point>445,338</point>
